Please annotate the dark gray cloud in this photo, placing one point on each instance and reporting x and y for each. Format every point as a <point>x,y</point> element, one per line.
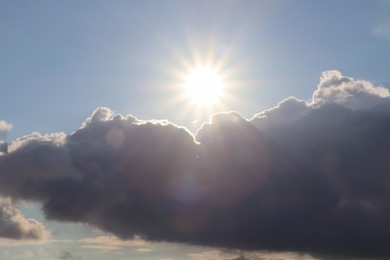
<point>304,177</point>
<point>13,225</point>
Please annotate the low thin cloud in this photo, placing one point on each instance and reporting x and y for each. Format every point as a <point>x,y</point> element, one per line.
<point>101,247</point>
<point>43,253</point>
<point>144,250</point>
<point>302,177</point>
<point>212,254</point>
<point>108,243</point>
<point>27,254</point>
<point>248,255</point>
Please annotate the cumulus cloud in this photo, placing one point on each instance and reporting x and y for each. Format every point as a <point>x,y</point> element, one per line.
<point>337,88</point>
<point>13,225</point>
<point>307,177</point>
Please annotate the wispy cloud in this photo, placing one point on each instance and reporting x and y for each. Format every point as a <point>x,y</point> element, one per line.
<point>382,30</point>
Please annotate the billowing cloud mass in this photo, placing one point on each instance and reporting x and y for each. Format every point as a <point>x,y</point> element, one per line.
<point>306,177</point>
<point>13,225</point>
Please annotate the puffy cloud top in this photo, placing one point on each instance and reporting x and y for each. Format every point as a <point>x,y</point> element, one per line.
<point>337,88</point>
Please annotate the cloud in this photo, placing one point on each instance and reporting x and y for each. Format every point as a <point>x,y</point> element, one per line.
<point>212,254</point>
<point>144,250</point>
<point>44,253</point>
<point>306,177</point>
<point>337,88</point>
<point>5,128</point>
<point>13,225</point>
<point>107,243</point>
<point>253,255</point>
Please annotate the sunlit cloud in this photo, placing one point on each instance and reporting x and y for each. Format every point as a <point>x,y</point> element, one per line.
<point>15,226</point>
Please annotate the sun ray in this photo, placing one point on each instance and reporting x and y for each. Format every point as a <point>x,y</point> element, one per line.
<point>203,77</point>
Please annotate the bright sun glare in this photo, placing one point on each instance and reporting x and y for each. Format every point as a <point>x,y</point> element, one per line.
<point>204,86</point>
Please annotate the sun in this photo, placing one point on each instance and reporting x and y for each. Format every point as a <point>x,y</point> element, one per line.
<point>204,86</point>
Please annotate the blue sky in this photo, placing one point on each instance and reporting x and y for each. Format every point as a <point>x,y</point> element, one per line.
<point>60,60</point>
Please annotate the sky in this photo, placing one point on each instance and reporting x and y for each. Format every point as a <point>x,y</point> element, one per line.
<point>104,154</point>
